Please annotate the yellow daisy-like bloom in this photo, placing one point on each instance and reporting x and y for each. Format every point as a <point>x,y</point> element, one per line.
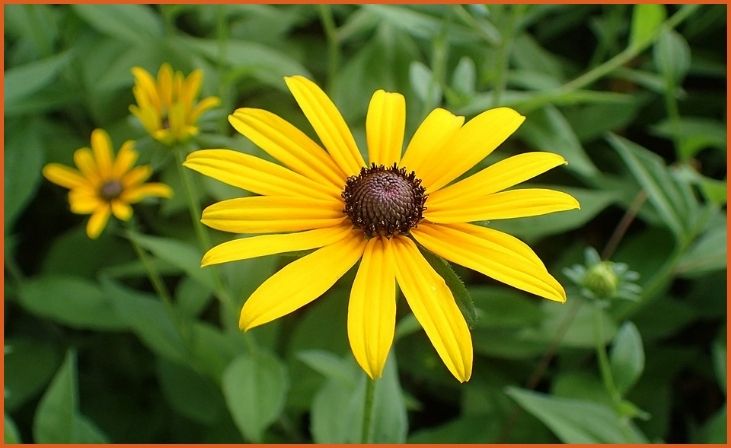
<point>167,107</point>
<point>330,200</point>
<point>103,185</point>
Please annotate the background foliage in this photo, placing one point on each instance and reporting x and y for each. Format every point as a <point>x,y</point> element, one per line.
<point>633,97</point>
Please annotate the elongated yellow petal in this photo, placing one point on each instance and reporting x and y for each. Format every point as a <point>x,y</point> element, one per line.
<point>126,157</point>
<point>84,160</point>
<point>147,86</point>
<point>434,307</point>
<point>258,246</point>
<point>475,141</point>
<point>136,175</point>
<point>499,176</point>
<point>98,221</point>
<point>492,253</point>
<point>300,282</point>
<point>385,127</point>
<point>327,123</point>
<point>165,85</point>
<point>289,145</point>
<point>269,214</point>
<point>200,108</point>
<point>434,132</point>
<point>372,307</point>
<point>138,193</point>
<point>503,205</point>
<point>121,210</point>
<point>65,176</point>
<point>191,87</point>
<point>148,116</point>
<point>101,145</point>
<point>256,175</point>
<point>84,201</point>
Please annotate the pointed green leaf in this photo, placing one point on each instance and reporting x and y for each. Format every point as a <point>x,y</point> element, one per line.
<point>55,415</point>
<point>136,24</point>
<point>672,56</point>
<point>646,21</point>
<point>627,358</point>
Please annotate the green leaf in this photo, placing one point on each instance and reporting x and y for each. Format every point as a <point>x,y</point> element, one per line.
<point>255,388</point>
<point>136,24</point>
<point>11,434</point>
<point>455,284</point>
<point>55,415</point>
<point>24,155</point>
<point>188,393</point>
<point>577,421</point>
<point>547,130</point>
<point>72,301</point>
<point>178,253</point>
<point>29,366</point>
<point>505,308</point>
<point>424,84</point>
<point>672,199</point>
<point>672,57</point>
<point>265,63</point>
<point>719,361</point>
<point>327,364</point>
<point>148,318</point>
<point>420,24</point>
<point>337,409</point>
<point>627,358</point>
<point>74,254</point>
<point>464,76</point>
<point>713,430</point>
<point>708,252</point>
<point>646,21</point>
<point>24,80</point>
<point>191,297</point>
<point>694,134</point>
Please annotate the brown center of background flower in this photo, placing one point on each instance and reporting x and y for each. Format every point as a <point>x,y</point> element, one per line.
<point>110,190</point>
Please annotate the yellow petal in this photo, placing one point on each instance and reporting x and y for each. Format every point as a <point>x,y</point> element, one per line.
<point>126,157</point>
<point>202,107</point>
<point>258,246</point>
<point>269,214</point>
<point>503,205</point>
<point>149,117</point>
<point>136,175</point>
<point>385,127</point>
<point>65,176</point>
<point>499,176</point>
<point>191,87</point>
<point>165,85</point>
<point>289,145</point>
<point>300,282</point>
<point>475,141</point>
<point>433,133</point>
<point>492,253</point>
<point>101,145</point>
<point>372,307</point>
<point>327,123</point>
<point>121,210</point>
<point>136,194</point>
<point>254,174</point>
<point>84,201</point>
<point>434,307</point>
<point>98,221</point>
<point>147,86</point>
<point>84,160</point>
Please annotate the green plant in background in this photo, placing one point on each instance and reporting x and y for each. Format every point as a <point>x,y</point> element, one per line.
<point>631,97</point>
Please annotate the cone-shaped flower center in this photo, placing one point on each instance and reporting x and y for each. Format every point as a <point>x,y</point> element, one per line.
<point>110,190</point>
<point>384,201</point>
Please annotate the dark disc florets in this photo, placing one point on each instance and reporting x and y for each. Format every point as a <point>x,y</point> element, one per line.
<point>110,190</point>
<point>384,201</point>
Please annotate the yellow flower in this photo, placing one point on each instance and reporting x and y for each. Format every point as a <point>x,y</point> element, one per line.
<point>103,185</point>
<point>167,107</point>
<point>330,200</point>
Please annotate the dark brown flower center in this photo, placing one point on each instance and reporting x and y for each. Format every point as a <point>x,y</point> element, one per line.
<point>110,190</point>
<point>384,201</point>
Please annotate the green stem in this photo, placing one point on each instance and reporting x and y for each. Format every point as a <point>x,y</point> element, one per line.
<point>601,353</point>
<point>503,57</point>
<point>368,411</point>
<point>333,44</point>
<point>152,273</point>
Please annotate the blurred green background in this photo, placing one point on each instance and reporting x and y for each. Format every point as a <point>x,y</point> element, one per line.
<point>633,96</point>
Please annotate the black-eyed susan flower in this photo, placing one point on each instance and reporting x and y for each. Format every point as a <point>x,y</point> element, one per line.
<point>167,106</point>
<point>105,185</point>
<point>331,200</point>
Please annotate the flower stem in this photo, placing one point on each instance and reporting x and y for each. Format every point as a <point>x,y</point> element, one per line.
<point>365,434</point>
<point>152,273</point>
<point>333,44</point>
<point>601,353</point>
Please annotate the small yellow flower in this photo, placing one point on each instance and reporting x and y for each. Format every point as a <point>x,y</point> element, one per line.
<point>331,200</point>
<point>103,185</point>
<point>167,107</point>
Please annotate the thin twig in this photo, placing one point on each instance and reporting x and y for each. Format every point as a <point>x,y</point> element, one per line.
<point>624,224</point>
